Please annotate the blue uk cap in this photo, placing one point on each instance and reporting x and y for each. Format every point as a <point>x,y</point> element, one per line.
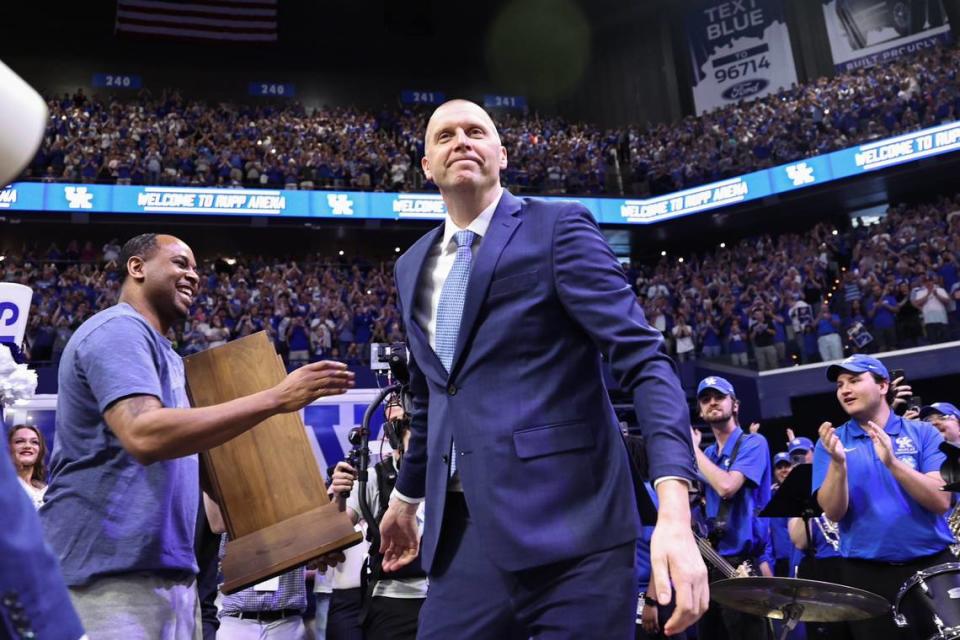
<point>717,384</point>
<point>782,457</point>
<point>944,408</point>
<point>800,444</point>
<point>857,363</point>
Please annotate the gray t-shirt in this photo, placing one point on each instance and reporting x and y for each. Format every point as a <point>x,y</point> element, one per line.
<point>105,513</point>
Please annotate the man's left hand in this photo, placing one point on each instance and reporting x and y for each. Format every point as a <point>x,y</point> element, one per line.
<point>326,561</point>
<point>675,560</point>
<point>881,443</point>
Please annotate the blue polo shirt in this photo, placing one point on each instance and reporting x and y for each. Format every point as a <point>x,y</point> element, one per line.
<point>780,535</point>
<point>744,534</point>
<point>882,521</point>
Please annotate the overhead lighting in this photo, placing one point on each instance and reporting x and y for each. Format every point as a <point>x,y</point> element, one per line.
<point>396,249</point>
<point>723,245</point>
<point>835,232</point>
<point>679,259</point>
<point>663,253</point>
<point>341,252</point>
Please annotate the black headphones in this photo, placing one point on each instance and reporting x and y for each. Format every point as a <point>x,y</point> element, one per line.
<point>394,429</point>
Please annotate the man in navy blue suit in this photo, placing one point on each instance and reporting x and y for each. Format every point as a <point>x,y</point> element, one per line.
<point>510,308</point>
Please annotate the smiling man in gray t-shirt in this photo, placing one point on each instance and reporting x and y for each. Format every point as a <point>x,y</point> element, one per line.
<point>122,503</point>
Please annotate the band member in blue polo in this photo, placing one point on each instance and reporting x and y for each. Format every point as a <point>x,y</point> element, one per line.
<point>946,418</point>
<point>800,450</point>
<point>779,535</point>
<point>736,471</point>
<point>878,477</point>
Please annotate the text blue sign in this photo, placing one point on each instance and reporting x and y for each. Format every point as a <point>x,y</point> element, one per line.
<point>117,81</point>
<point>422,97</point>
<point>504,102</point>
<point>272,89</point>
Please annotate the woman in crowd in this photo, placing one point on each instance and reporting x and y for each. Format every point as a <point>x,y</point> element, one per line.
<point>29,451</point>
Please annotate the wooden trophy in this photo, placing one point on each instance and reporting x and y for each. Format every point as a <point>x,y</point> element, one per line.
<point>267,480</point>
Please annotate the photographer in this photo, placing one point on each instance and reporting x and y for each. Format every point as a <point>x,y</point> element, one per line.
<point>393,600</point>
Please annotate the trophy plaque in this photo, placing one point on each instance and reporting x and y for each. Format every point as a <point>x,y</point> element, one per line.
<point>267,480</point>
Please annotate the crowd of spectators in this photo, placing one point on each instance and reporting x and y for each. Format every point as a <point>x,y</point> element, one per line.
<point>817,296</point>
<point>312,308</point>
<point>766,301</point>
<point>172,140</point>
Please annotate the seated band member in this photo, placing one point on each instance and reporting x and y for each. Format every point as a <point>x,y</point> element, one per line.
<point>878,477</point>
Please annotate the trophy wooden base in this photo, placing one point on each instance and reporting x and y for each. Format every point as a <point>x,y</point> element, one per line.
<point>291,543</point>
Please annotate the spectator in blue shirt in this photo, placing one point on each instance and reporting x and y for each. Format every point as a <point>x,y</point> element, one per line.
<point>882,314</point>
<point>736,471</point>
<point>878,477</point>
<point>828,335</point>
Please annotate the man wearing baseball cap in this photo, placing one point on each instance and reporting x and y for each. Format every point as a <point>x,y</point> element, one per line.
<point>782,465</point>
<point>779,534</point>
<point>946,418</point>
<point>736,471</point>
<point>800,450</point>
<point>878,476</point>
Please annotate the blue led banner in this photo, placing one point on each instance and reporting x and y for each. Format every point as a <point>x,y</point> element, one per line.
<point>98,198</point>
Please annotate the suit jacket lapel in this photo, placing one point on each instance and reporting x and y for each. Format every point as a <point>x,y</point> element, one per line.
<point>501,229</point>
<point>407,280</point>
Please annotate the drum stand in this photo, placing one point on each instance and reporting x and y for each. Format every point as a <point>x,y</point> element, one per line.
<point>792,614</point>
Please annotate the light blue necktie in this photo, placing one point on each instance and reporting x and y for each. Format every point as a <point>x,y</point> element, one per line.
<point>450,308</point>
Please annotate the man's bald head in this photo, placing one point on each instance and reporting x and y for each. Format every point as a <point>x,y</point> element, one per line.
<point>459,104</point>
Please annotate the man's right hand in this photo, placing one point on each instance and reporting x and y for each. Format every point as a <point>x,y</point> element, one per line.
<point>833,445</point>
<point>312,381</point>
<point>342,480</point>
<point>400,539</point>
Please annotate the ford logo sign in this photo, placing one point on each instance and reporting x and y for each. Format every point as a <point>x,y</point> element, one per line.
<point>745,89</point>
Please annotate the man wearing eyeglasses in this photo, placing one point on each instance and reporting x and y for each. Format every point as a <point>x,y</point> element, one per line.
<point>946,418</point>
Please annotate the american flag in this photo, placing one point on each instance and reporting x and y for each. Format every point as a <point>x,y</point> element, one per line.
<point>230,20</point>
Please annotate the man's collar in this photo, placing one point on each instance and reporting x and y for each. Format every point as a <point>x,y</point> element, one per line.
<point>731,442</point>
<point>893,426</point>
<point>479,224</point>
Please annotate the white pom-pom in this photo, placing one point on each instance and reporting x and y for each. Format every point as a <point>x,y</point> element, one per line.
<point>7,364</point>
<point>17,381</point>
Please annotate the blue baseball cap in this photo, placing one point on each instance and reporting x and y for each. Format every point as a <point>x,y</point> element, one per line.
<point>944,408</point>
<point>717,384</point>
<point>857,363</point>
<point>783,456</point>
<point>800,443</point>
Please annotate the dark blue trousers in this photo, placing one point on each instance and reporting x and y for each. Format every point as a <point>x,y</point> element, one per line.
<point>593,596</point>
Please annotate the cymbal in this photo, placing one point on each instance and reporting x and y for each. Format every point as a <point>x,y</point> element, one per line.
<point>810,600</point>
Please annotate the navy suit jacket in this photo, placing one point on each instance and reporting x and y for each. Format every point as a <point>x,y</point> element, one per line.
<point>32,593</point>
<point>544,470</point>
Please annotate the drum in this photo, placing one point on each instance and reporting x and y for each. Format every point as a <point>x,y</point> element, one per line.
<point>929,603</point>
